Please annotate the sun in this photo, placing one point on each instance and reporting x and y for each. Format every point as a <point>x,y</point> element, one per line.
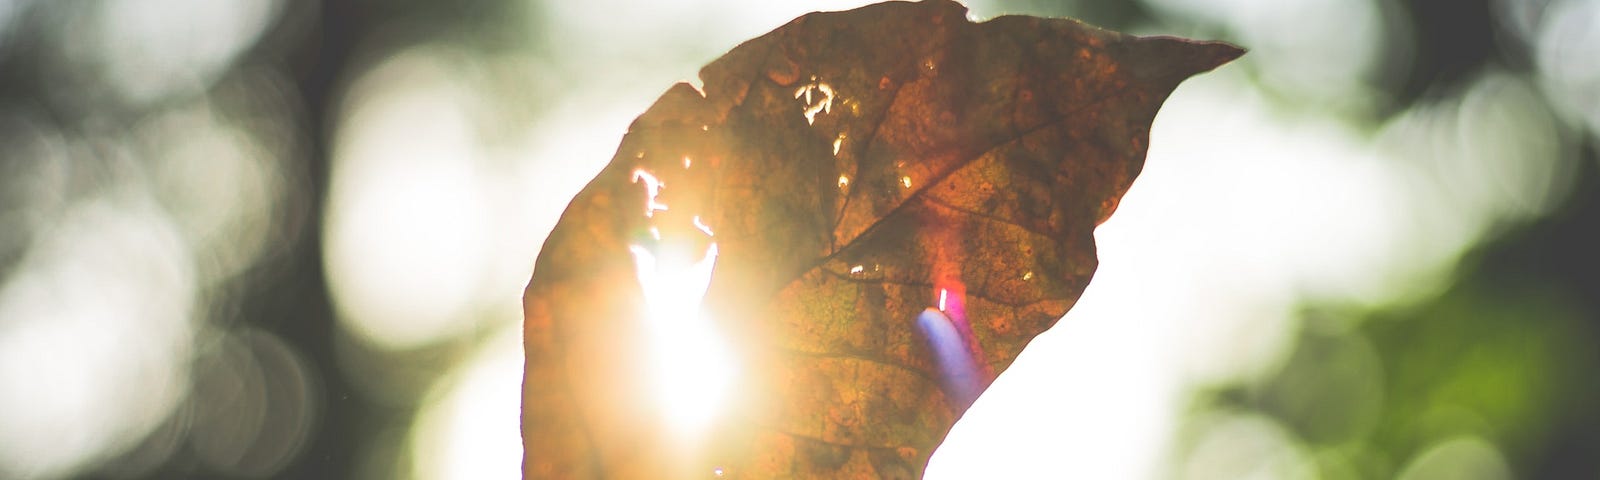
<point>689,363</point>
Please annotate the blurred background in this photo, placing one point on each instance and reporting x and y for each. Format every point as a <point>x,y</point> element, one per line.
<point>288,238</point>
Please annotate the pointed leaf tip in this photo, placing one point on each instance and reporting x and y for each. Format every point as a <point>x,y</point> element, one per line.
<point>1220,53</point>
<point>1172,59</point>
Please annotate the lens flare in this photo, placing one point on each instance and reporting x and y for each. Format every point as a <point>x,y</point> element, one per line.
<point>689,362</point>
<point>958,371</point>
<point>691,366</point>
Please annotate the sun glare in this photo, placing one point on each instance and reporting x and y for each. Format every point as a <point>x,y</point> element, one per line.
<point>689,361</point>
<point>692,368</point>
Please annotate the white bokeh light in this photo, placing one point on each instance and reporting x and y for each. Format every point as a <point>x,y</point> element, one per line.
<point>147,53</point>
<point>469,427</point>
<point>1466,457</point>
<point>1243,446</point>
<point>1567,50</point>
<point>1321,51</point>
<point>408,224</point>
<point>95,340</point>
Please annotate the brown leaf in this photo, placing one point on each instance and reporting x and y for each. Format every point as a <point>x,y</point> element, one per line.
<point>850,169</point>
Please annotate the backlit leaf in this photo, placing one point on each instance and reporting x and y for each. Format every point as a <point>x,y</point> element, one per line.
<point>811,268</point>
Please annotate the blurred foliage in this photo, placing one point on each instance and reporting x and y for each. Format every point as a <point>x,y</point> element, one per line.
<point>1368,390</point>
<point>1506,353</point>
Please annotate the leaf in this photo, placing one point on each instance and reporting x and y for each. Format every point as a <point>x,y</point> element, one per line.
<point>837,177</point>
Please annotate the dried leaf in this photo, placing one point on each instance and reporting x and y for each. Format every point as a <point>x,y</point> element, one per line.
<point>843,174</point>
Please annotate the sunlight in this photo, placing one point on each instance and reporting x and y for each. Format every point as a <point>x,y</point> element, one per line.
<point>824,104</point>
<point>692,367</point>
<point>702,226</point>
<point>652,188</point>
<point>409,212</point>
<point>468,429</point>
<point>94,342</point>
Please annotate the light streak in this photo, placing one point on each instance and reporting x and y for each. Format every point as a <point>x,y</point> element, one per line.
<point>823,105</point>
<point>652,187</point>
<point>959,374</point>
<point>703,227</point>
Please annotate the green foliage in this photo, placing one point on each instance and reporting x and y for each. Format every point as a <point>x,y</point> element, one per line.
<point>1369,392</point>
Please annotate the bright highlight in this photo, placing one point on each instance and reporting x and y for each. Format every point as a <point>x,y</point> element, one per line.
<point>958,371</point>
<point>652,188</point>
<point>690,365</point>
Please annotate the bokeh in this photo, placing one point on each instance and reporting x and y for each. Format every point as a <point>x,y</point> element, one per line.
<point>288,238</point>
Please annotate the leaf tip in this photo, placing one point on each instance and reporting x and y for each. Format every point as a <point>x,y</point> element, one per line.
<point>1220,52</point>
<point>1174,59</point>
